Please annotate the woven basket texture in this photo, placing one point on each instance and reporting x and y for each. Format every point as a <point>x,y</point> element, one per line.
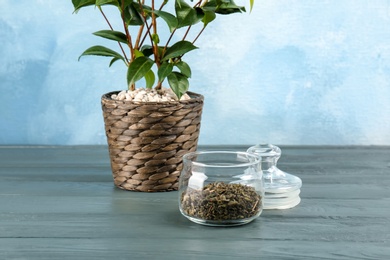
<point>147,140</point>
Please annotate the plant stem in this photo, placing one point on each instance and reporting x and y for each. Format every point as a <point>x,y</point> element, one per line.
<point>159,83</point>
<point>140,31</point>
<point>201,31</point>
<point>137,43</point>
<point>148,27</point>
<point>188,30</point>
<point>109,24</point>
<point>199,3</point>
<point>189,27</point>
<point>155,44</point>
<point>129,41</point>
<point>169,39</point>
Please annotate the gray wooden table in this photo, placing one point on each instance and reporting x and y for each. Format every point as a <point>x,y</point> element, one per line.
<point>60,203</point>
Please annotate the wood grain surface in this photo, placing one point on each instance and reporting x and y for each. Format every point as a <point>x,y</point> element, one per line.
<point>61,203</point>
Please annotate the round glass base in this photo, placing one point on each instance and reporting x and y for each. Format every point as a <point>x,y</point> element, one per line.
<point>284,200</point>
<point>284,195</point>
<point>221,223</point>
<point>282,203</point>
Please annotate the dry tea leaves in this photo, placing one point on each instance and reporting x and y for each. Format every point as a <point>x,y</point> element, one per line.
<point>221,201</point>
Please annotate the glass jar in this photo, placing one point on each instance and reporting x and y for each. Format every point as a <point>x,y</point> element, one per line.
<point>221,188</point>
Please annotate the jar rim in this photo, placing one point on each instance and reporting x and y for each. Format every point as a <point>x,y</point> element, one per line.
<point>256,158</point>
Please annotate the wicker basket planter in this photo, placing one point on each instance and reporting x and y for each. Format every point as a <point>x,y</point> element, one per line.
<point>147,140</point>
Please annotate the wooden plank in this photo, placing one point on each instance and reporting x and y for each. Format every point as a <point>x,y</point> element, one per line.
<point>60,203</point>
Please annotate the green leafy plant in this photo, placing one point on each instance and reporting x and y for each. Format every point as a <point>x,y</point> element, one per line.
<point>139,42</point>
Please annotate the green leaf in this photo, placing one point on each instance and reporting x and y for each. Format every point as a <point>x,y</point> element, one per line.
<point>178,49</point>
<point>155,38</point>
<point>102,51</point>
<point>223,7</point>
<point>147,50</point>
<point>251,2</point>
<point>112,35</point>
<point>229,7</point>
<point>132,15</point>
<point>186,15</point>
<point>107,2</point>
<point>138,68</point>
<point>138,53</point>
<point>113,60</point>
<point>149,79</point>
<point>126,2</point>
<point>164,70</point>
<point>77,4</point>
<point>178,83</point>
<point>184,68</point>
<point>170,19</point>
<point>208,17</point>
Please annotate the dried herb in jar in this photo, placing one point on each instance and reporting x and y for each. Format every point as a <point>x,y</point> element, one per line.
<point>220,201</point>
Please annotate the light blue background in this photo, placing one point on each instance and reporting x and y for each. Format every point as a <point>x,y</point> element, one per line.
<point>291,72</point>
